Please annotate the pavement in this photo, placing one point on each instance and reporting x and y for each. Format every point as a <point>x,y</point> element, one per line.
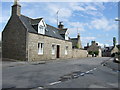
<point>71,73</point>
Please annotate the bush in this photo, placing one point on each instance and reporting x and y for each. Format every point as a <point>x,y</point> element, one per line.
<point>90,52</point>
<point>96,52</point>
<point>93,52</point>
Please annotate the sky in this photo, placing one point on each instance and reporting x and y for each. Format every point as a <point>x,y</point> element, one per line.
<point>93,20</point>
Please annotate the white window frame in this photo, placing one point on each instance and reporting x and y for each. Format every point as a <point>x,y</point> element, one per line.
<point>53,49</point>
<point>40,48</point>
<point>41,27</point>
<point>66,36</point>
<point>66,50</point>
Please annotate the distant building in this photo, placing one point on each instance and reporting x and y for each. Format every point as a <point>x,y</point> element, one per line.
<point>94,49</point>
<point>27,39</point>
<point>76,42</point>
<point>109,51</point>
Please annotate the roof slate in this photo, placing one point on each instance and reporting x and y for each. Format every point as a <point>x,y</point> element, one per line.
<point>74,41</point>
<point>62,31</point>
<point>32,24</point>
<point>35,21</point>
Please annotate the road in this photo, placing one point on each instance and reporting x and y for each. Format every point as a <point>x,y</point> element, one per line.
<point>72,73</point>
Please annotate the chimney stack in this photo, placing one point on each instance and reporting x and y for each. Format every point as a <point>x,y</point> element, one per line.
<point>87,44</point>
<point>93,42</point>
<point>16,8</point>
<point>61,26</point>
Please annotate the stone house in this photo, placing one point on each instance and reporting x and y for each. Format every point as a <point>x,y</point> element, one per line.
<point>94,48</point>
<point>28,39</point>
<point>109,51</point>
<point>76,42</point>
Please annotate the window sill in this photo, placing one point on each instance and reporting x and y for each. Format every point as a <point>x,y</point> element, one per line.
<point>40,53</point>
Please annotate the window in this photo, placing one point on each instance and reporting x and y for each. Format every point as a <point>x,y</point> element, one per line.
<point>41,29</point>
<point>66,50</point>
<point>53,49</point>
<point>66,35</point>
<point>40,48</point>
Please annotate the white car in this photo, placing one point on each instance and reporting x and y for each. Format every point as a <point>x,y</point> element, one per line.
<point>117,58</point>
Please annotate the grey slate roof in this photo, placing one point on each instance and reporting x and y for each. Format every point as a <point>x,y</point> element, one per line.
<point>35,21</point>
<point>32,24</point>
<point>62,31</point>
<point>54,32</point>
<point>74,41</point>
<point>27,23</point>
<point>109,49</point>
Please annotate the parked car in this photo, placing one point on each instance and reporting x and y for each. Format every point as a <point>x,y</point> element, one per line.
<point>117,58</point>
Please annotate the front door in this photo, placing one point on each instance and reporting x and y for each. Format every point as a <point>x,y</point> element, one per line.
<point>58,51</point>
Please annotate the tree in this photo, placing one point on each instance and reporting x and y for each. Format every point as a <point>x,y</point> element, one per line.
<point>114,41</point>
<point>96,52</point>
<point>93,53</point>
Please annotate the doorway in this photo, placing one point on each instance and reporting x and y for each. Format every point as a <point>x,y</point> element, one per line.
<point>58,51</point>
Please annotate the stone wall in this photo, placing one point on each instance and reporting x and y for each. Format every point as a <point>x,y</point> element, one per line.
<point>78,53</point>
<point>14,40</point>
<point>34,39</point>
<point>115,49</point>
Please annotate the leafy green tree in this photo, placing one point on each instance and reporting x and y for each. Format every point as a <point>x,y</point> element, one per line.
<point>90,52</point>
<point>77,45</point>
<point>96,52</point>
<point>114,41</point>
<point>93,52</point>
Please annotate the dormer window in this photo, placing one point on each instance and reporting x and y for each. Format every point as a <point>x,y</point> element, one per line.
<point>41,27</point>
<point>66,36</point>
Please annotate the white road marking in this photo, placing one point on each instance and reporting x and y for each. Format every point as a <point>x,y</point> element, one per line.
<point>94,68</point>
<point>91,70</point>
<point>82,74</point>
<point>55,83</point>
<point>40,87</point>
<point>87,72</point>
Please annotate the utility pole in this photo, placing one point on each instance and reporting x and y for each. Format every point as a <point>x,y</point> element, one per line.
<point>118,19</point>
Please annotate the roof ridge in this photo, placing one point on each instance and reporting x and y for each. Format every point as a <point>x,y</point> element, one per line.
<point>26,16</point>
<point>36,18</point>
<point>53,26</point>
<point>31,18</point>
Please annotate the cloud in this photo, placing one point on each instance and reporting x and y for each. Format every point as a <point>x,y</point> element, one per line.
<point>4,16</point>
<point>102,45</point>
<point>4,19</point>
<point>91,8</point>
<point>86,40</point>
<point>63,0</point>
<point>103,24</point>
<point>78,25</point>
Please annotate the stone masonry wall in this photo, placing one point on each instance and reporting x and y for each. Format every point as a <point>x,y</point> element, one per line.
<point>78,53</point>
<point>34,39</point>
<point>14,40</point>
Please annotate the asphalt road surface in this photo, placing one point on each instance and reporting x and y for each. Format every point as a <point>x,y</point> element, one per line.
<point>71,73</point>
